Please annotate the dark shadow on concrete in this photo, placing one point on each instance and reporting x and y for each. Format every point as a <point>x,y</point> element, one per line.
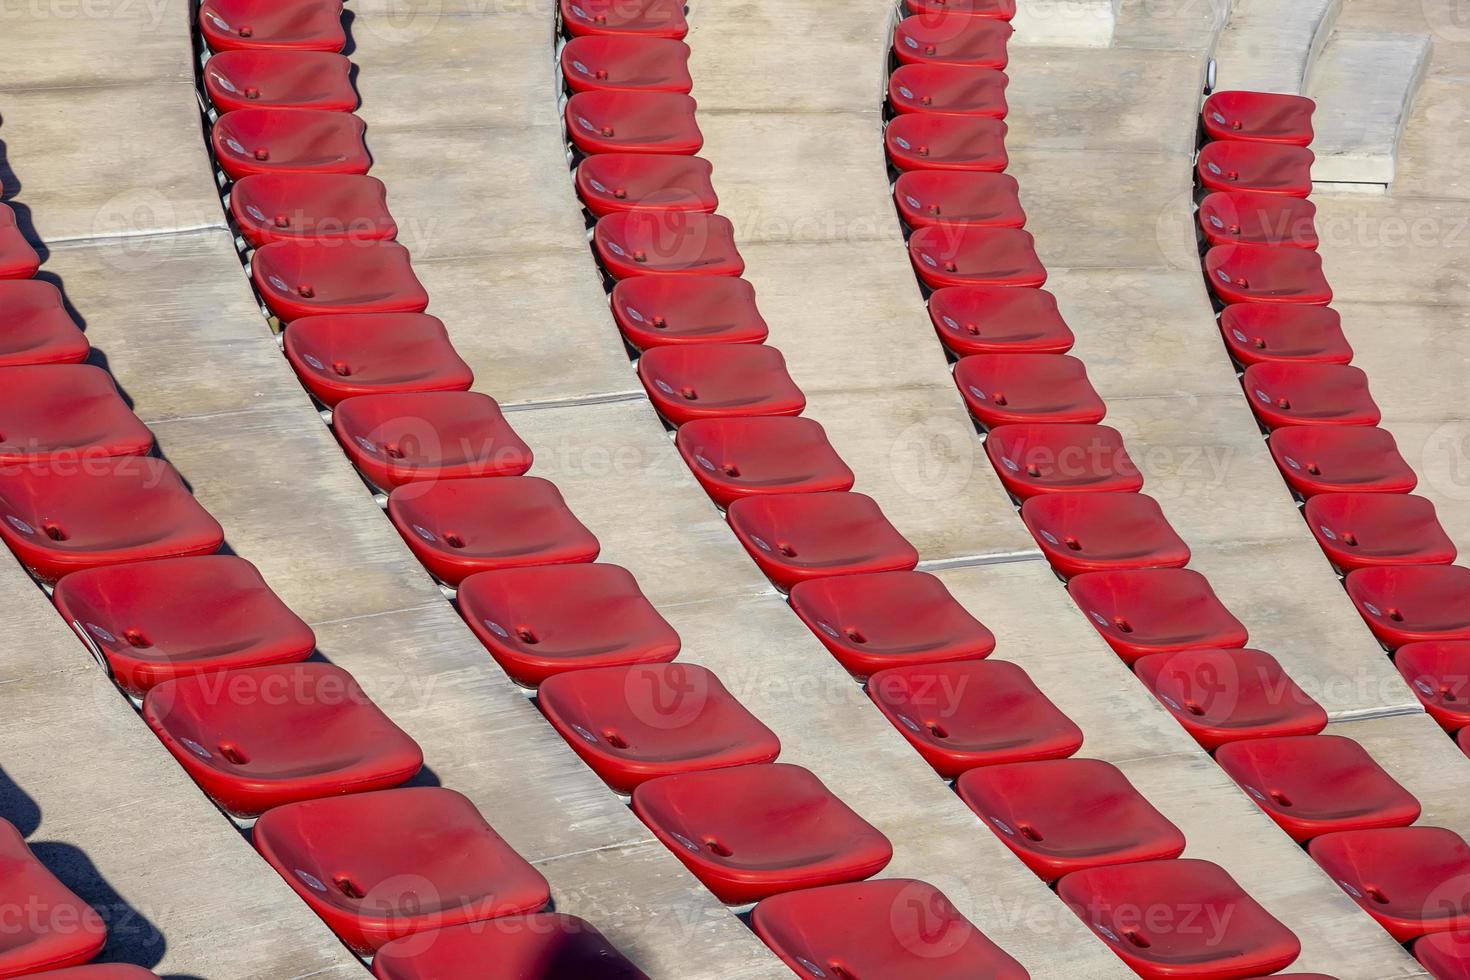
<point>131,935</point>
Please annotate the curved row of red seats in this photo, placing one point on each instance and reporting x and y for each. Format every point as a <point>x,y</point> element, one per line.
<point>1079,490</point>
<point>214,657</point>
<point>673,272</point>
<point>60,414</point>
<point>219,666</point>
<point>221,669</point>
<point>1355,490</point>
<point>673,268</point>
<point>454,473</point>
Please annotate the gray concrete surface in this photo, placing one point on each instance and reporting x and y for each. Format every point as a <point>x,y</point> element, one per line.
<point>1364,84</point>
<point>1080,23</point>
<point>1270,46</point>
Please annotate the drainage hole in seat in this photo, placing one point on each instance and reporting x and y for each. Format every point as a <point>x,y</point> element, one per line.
<point>234,754</point>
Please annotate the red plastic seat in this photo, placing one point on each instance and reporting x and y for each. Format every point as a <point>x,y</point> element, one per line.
<point>289,141</point>
<point>267,736</point>
<point>752,831</point>
<point>346,355</point>
<point>428,435</point>
<point>377,866</point>
<point>657,311</point>
<point>610,183</point>
<point>277,78</point>
<point>795,537</point>
<point>154,621</point>
<point>541,620</point>
<point>1156,610</point>
<point>1064,815</point>
<point>1303,393</point>
<point>1411,603</point>
<point>1446,955</point>
<point>973,713</point>
<point>1258,332</point>
<point>734,458</point>
<point>1339,458</point>
<point>999,320</point>
<point>119,509</point>
<point>311,25</point>
<point>957,197</point>
<point>1143,912</point>
<point>683,243</point>
<point>1252,218</point>
<point>626,62</point>
<point>459,527</point>
<point>1002,9</point>
<point>1001,389</point>
<point>1061,458</point>
<point>1236,166</point>
<point>1439,672</point>
<point>644,18</point>
<point>1221,696</point>
<point>957,39</point>
<point>1357,530</point>
<point>633,122</point>
<point>1262,274</point>
<point>889,619</point>
<point>704,381</point>
<point>49,927</point>
<point>18,260</point>
<point>632,724</point>
<point>948,88</point>
<point>299,279</point>
<point>1317,784</point>
<point>1413,880</point>
<point>895,928</point>
<point>38,330</point>
<point>287,207</point>
<point>943,141</point>
<point>66,412</point>
<point>1095,532</point>
<point>538,947</point>
<point>967,255</point>
<point>1259,117</point>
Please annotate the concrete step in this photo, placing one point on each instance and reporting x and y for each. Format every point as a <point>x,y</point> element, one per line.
<point>1271,45</point>
<point>1365,85</point>
<point>1069,23</point>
